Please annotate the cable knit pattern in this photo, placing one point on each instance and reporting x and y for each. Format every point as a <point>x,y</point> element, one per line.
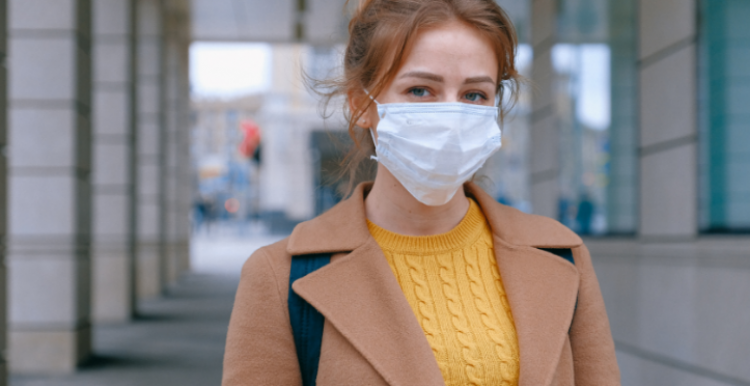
<point>454,288</point>
<point>426,309</point>
<point>458,317</point>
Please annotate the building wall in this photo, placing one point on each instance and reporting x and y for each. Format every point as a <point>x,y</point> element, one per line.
<point>50,185</point>
<point>678,300</point>
<point>3,190</point>
<point>177,177</point>
<point>73,160</point>
<point>150,155</point>
<point>114,163</point>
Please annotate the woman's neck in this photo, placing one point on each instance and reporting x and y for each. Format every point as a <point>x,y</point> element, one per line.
<point>390,206</point>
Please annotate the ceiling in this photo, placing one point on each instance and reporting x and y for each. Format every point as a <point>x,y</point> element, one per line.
<point>323,21</point>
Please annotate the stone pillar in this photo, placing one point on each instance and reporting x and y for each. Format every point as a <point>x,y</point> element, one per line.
<point>185,179</point>
<point>3,188</point>
<point>150,149</point>
<point>49,186</point>
<point>544,149</point>
<point>668,139</point>
<point>114,169</point>
<point>178,163</point>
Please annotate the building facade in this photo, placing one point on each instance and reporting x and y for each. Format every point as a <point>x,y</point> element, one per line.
<point>673,260</point>
<point>97,117</point>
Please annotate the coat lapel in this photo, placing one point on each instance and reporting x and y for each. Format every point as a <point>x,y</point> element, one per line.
<point>359,295</point>
<point>542,288</point>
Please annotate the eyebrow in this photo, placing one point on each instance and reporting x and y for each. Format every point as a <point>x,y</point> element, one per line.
<point>423,75</point>
<point>438,78</point>
<point>479,79</point>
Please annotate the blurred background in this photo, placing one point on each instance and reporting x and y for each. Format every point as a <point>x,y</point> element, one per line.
<point>150,146</point>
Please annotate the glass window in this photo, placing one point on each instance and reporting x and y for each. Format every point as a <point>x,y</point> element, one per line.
<point>724,116</point>
<point>594,61</point>
<point>505,175</point>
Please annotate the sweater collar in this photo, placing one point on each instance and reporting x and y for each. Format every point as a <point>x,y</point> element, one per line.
<point>462,235</point>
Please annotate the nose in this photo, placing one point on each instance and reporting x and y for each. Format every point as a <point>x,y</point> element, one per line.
<point>450,96</point>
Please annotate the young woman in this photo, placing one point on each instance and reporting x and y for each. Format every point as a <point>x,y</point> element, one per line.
<point>431,282</point>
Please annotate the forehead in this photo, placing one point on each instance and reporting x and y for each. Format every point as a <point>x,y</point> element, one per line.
<point>452,50</point>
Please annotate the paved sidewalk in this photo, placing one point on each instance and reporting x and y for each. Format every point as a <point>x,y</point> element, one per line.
<point>177,340</point>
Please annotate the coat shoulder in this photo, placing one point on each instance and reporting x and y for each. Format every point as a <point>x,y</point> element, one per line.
<point>524,229</point>
<point>271,261</point>
<point>260,348</point>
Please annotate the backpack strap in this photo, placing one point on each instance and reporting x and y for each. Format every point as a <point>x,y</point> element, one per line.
<point>566,254</point>
<point>307,322</point>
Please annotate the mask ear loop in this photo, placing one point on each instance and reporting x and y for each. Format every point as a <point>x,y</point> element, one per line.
<point>370,96</point>
<point>372,134</point>
<point>376,103</point>
<point>374,157</point>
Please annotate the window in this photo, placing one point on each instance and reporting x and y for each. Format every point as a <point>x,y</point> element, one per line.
<point>724,116</point>
<point>594,61</point>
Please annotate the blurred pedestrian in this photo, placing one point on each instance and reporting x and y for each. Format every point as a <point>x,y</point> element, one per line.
<point>585,214</point>
<point>420,277</point>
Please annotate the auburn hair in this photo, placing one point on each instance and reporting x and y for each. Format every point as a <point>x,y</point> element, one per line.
<point>381,33</point>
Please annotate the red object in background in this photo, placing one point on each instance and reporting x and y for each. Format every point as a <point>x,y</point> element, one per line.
<point>232,205</point>
<point>252,138</point>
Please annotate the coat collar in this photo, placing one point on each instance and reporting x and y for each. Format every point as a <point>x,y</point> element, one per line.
<point>343,228</point>
<point>359,295</point>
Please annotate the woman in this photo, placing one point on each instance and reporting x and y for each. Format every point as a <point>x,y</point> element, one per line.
<point>431,282</point>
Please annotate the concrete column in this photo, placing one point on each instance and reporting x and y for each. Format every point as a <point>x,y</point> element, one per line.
<point>668,130</point>
<point>179,187</point>
<point>544,148</point>
<point>114,142</point>
<point>185,179</point>
<point>150,149</point>
<point>3,188</point>
<point>49,186</point>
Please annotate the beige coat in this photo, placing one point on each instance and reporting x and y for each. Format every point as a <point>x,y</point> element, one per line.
<point>371,336</point>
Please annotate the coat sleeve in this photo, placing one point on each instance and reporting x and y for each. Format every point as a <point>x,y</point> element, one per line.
<point>260,348</point>
<point>594,357</point>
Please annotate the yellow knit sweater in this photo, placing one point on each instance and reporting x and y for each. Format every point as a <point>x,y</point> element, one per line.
<point>453,285</point>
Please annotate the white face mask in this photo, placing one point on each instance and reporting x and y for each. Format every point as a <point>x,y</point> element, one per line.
<point>433,148</point>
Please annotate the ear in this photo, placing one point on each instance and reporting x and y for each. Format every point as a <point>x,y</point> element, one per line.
<point>358,100</point>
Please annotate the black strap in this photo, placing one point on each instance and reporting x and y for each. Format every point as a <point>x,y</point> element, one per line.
<point>307,322</point>
<point>566,254</point>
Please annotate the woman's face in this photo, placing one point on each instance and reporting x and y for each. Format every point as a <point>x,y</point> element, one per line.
<point>450,63</point>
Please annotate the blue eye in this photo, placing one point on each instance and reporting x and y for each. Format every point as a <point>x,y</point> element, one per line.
<point>418,92</point>
<point>475,97</point>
